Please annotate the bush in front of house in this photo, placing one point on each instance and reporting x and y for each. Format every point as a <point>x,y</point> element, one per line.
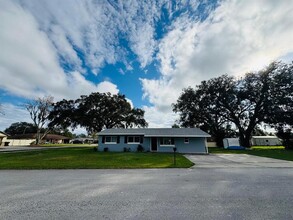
<point>95,149</point>
<point>140,148</point>
<point>126,149</point>
<point>106,149</point>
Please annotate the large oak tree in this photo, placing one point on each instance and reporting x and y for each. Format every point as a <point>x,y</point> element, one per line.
<point>96,112</point>
<point>261,97</point>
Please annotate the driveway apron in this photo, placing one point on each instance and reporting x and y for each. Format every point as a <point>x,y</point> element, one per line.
<point>236,160</point>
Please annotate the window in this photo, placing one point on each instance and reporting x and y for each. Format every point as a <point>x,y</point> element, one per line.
<point>167,141</point>
<point>133,139</point>
<point>186,140</point>
<point>111,139</point>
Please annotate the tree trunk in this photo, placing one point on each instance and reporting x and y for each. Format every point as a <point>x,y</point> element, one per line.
<point>38,137</point>
<point>244,140</point>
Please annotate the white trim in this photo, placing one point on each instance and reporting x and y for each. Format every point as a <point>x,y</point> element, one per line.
<point>111,138</point>
<point>133,137</point>
<point>167,144</point>
<point>206,146</point>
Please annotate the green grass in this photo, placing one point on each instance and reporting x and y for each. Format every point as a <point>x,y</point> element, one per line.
<point>276,152</point>
<point>86,158</point>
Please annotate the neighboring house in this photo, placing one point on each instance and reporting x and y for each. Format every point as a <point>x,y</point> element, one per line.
<point>3,138</point>
<point>87,140</point>
<point>186,140</point>
<point>265,141</point>
<point>27,139</point>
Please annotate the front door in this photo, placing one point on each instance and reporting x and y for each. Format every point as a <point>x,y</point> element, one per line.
<point>154,144</point>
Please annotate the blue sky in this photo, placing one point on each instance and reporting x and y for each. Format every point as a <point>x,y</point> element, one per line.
<point>147,50</point>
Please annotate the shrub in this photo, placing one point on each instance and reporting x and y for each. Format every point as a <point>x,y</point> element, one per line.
<point>126,149</point>
<point>140,148</point>
<point>95,149</point>
<point>288,144</point>
<point>106,149</point>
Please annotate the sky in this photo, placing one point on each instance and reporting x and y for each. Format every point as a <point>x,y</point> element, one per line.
<point>147,50</point>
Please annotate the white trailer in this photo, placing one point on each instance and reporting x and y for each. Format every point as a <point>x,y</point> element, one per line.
<point>265,141</point>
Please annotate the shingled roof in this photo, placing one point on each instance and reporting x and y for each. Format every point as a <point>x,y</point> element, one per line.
<point>157,132</point>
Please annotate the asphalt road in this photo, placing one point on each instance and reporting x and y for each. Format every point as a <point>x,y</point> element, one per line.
<point>203,193</point>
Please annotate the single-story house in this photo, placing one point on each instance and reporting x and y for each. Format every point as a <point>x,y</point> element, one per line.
<point>185,140</point>
<point>27,139</point>
<point>3,138</point>
<point>265,141</point>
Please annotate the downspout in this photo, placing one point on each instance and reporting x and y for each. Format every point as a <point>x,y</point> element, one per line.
<point>206,145</point>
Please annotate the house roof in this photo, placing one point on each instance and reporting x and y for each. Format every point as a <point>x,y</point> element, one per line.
<point>157,132</point>
<point>3,134</point>
<point>33,136</point>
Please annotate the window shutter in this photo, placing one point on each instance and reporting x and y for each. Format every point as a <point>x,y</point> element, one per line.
<point>118,139</point>
<point>141,139</point>
<point>161,141</point>
<point>172,141</point>
<point>103,139</point>
<point>125,139</point>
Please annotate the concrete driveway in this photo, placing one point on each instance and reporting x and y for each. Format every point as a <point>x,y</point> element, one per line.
<point>236,160</point>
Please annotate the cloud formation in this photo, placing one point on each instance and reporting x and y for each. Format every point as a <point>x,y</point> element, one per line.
<point>237,37</point>
<point>54,47</point>
<point>29,63</point>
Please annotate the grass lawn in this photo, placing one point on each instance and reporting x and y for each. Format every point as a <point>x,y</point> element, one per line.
<point>86,158</point>
<point>277,152</point>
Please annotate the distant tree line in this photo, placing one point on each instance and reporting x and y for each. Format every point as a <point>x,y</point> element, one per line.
<point>23,128</point>
<point>220,104</point>
<point>94,112</point>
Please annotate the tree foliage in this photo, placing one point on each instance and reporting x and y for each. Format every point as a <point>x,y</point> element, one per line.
<point>39,110</point>
<point>262,97</point>
<point>21,128</point>
<point>96,112</point>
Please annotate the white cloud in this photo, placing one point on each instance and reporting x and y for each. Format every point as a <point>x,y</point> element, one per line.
<point>29,65</point>
<point>12,114</point>
<point>96,27</point>
<point>107,86</point>
<point>159,119</point>
<point>237,37</point>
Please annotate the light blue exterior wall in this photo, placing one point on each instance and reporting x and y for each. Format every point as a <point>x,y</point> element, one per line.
<point>119,147</point>
<point>195,145</point>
